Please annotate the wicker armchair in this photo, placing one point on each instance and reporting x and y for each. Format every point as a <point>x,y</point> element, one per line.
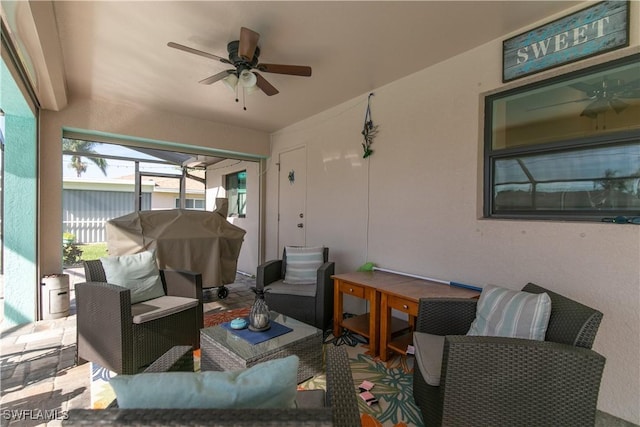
<point>315,308</point>
<point>107,333</point>
<point>337,407</point>
<point>508,381</point>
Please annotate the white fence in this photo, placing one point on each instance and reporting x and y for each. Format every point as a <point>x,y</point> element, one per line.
<point>86,231</point>
<point>85,212</point>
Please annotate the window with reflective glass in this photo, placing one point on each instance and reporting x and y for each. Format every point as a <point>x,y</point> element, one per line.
<point>236,188</point>
<point>568,147</point>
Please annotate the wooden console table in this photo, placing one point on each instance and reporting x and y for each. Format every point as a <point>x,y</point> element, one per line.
<point>386,291</point>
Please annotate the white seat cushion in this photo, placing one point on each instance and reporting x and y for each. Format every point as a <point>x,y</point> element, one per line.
<point>160,307</point>
<point>428,352</point>
<point>279,287</point>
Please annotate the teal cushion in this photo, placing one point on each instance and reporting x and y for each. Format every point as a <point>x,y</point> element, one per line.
<point>270,384</point>
<point>303,264</point>
<point>138,272</point>
<point>507,313</point>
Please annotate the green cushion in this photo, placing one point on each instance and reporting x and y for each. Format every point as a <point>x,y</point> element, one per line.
<point>270,384</point>
<point>303,264</point>
<point>138,272</point>
<point>507,313</point>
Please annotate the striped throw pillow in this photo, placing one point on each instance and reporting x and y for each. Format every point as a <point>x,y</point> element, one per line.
<point>507,313</point>
<point>302,265</point>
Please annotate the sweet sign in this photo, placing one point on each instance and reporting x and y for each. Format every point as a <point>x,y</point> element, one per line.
<point>591,31</point>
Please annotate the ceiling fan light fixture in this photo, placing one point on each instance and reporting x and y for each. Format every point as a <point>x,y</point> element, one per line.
<point>247,79</point>
<point>251,89</point>
<point>231,81</point>
<point>617,105</point>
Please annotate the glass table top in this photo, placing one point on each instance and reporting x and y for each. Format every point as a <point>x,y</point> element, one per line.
<point>247,351</point>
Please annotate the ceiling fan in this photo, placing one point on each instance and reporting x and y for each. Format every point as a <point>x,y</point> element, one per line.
<point>243,55</point>
<point>604,95</point>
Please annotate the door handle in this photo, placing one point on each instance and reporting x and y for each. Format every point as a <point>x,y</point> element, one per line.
<point>300,225</point>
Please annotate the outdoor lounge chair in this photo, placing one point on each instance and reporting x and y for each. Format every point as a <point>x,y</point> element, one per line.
<point>500,381</point>
<point>107,333</point>
<point>337,406</point>
<point>311,304</point>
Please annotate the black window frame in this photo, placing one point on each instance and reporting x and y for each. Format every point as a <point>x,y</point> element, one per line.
<point>619,138</point>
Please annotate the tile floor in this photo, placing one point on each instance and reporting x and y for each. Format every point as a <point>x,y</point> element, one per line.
<point>39,379</point>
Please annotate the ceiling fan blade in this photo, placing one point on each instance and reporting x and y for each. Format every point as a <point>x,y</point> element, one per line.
<point>584,87</point>
<point>559,103</point>
<point>221,75</point>
<point>633,93</point>
<point>198,52</point>
<point>629,90</point>
<point>248,43</point>
<point>266,87</point>
<point>295,70</point>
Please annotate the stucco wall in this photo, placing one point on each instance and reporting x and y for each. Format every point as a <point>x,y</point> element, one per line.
<point>416,206</point>
<point>171,130</point>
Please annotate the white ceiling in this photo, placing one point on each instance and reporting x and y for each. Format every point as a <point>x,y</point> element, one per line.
<point>115,50</point>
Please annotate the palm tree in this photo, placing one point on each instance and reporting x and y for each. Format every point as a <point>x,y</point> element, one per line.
<point>82,147</point>
<point>611,187</point>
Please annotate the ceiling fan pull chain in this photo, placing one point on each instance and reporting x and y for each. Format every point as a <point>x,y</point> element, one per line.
<point>244,100</point>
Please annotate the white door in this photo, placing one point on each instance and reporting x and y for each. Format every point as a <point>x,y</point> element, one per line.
<point>292,197</point>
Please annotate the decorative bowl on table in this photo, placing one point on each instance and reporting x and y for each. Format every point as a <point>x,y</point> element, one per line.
<point>239,323</point>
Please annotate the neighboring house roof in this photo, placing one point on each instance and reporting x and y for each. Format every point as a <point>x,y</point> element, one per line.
<point>107,184</point>
<point>172,185</point>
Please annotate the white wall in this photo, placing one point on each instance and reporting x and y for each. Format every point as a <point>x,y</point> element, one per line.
<point>248,260</point>
<point>167,199</point>
<point>416,206</point>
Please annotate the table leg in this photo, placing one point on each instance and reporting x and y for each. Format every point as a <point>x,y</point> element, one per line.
<point>337,308</point>
<point>385,327</point>
<point>373,297</point>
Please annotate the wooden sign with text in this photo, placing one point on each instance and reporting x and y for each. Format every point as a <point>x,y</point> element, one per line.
<point>591,31</point>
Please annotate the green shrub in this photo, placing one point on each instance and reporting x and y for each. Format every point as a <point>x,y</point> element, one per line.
<point>71,253</point>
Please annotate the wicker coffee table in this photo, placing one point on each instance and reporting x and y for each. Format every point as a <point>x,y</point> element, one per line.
<point>221,350</point>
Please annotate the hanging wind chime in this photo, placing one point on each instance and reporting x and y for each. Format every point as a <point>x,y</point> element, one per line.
<point>369,130</point>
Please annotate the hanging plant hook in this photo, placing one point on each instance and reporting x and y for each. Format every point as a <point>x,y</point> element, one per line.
<point>369,130</point>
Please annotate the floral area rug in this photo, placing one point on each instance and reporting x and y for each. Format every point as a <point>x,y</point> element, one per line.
<point>393,385</point>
